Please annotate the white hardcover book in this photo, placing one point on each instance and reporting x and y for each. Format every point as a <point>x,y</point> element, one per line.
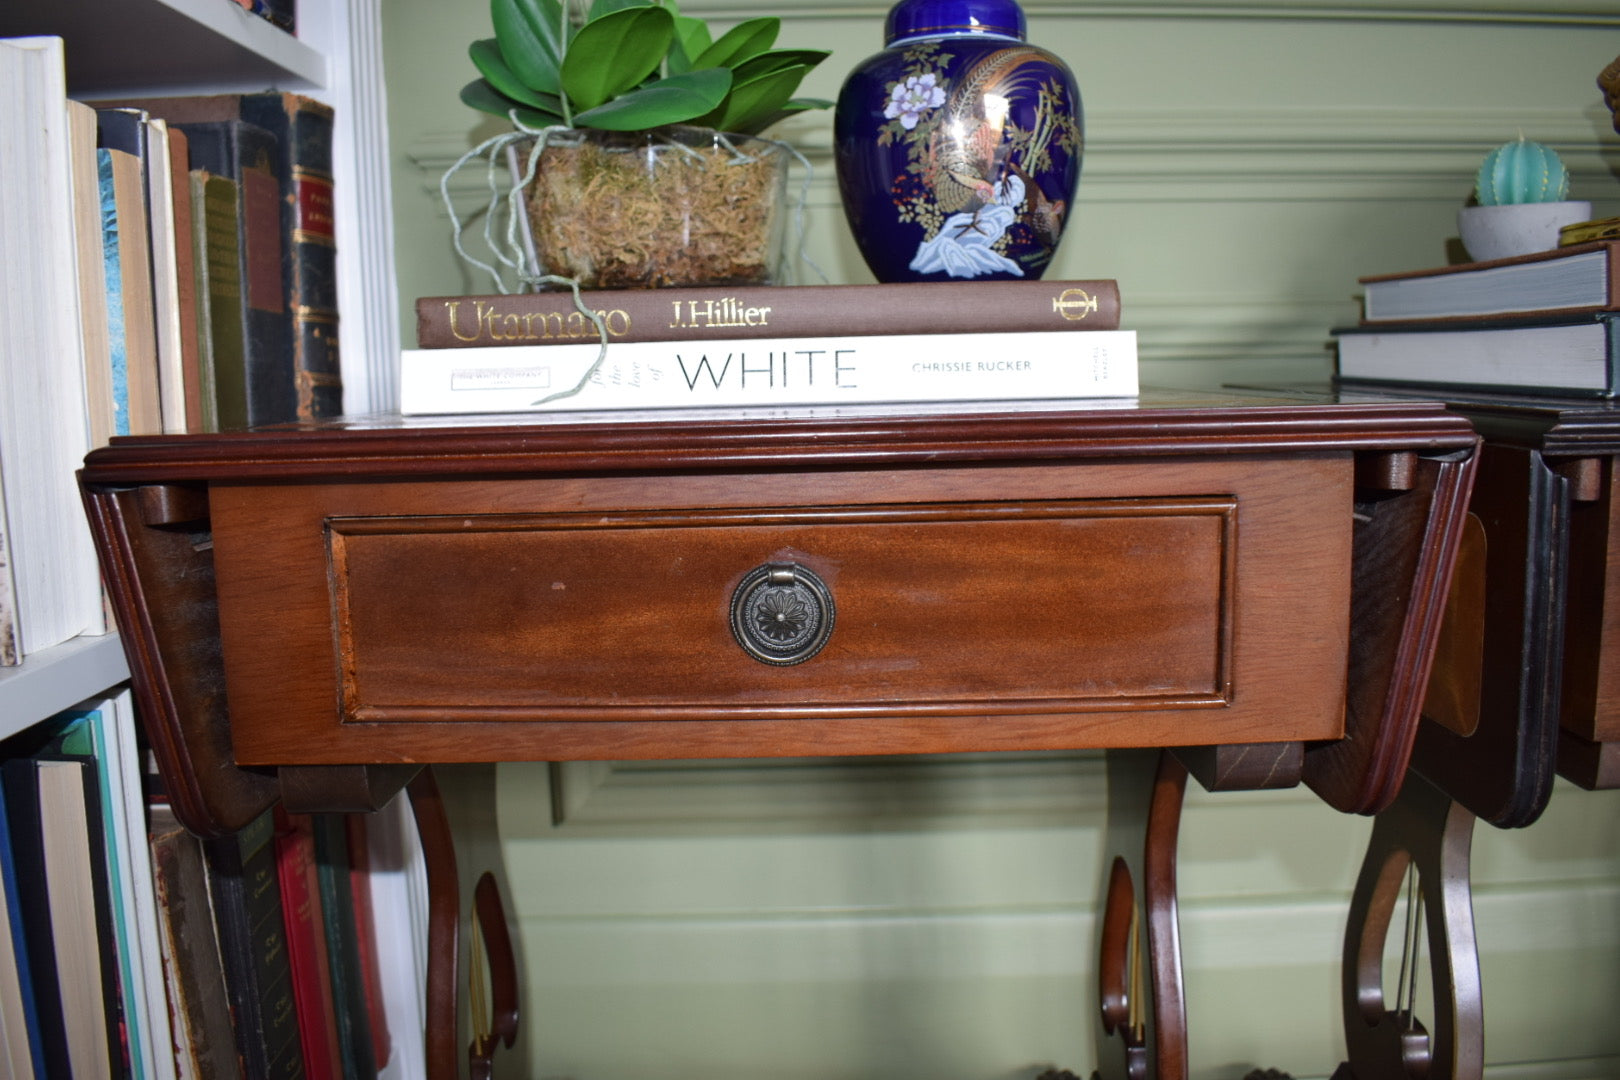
<point>165,276</point>
<point>10,654</point>
<point>399,910</point>
<point>44,425</point>
<point>899,369</point>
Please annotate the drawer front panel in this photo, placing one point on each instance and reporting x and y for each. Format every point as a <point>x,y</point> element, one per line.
<point>1130,603</point>
<point>1059,606</point>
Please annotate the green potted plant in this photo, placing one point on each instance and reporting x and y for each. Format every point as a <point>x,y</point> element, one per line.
<point>1521,200</point>
<point>648,168</point>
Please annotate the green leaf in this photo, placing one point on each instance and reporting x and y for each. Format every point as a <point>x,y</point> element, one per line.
<point>745,40</point>
<point>611,54</point>
<point>674,100</point>
<point>485,98</point>
<point>752,101</point>
<point>792,108</point>
<point>486,56</point>
<point>608,7</point>
<point>691,38</point>
<point>776,60</point>
<point>533,38</point>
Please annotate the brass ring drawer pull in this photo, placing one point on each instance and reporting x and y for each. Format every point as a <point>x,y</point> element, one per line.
<point>781,613</point>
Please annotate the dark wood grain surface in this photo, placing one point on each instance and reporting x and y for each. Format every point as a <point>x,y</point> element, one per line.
<point>1176,570</point>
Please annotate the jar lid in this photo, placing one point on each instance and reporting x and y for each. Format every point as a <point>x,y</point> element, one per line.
<point>930,18</point>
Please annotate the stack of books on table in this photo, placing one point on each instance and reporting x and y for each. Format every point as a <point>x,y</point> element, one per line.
<point>769,346</point>
<point>1541,323</point>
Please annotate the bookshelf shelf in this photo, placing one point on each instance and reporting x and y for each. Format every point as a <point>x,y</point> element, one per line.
<point>59,678</point>
<point>122,47</point>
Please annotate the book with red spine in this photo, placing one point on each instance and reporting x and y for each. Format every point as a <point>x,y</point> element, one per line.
<point>307,953</point>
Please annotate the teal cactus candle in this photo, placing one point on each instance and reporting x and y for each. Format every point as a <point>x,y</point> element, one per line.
<point>1522,171</point>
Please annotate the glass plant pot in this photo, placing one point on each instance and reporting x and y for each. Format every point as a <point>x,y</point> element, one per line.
<point>675,206</point>
<point>958,146</point>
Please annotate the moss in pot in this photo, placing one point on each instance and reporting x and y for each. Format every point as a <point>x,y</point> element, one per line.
<point>650,168</point>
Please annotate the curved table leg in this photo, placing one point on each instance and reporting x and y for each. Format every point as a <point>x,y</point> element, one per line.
<point>1426,828</point>
<point>444,932</point>
<point>1142,1021</point>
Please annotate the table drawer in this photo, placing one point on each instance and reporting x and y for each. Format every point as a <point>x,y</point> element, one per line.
<point>965,608</point>
<point>514,622</point>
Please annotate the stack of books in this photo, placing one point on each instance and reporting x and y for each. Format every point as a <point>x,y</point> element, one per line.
<point>168,266</point>
<point>766,347</point>
<point>1541,323</point>
<point>131,947</point>
<point>239,209</point>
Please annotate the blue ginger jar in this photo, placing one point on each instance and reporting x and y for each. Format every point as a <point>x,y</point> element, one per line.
<point>958,146</point>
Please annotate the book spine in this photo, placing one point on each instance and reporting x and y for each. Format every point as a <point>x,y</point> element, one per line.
<point>365,935</point>
<point>213,237</point>
<point>1612,270</point>
<point>23,1022</point>
<point>246,154</point>
<point>165,236</point>
<point>453,322</point>
<point>303,131</point>
<point>343,947</point>
<point>34,914</point>
<point>130,321</point>
<point>306,946</point>
<point>81,917</point>
<point>767,374</point>
<point>245,890</point>
<point>221,216</point>
<point>187,280</point>
<point>193,967</point>
<point>93,296</point>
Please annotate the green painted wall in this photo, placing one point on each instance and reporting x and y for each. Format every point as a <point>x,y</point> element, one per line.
<point>1246,163</point>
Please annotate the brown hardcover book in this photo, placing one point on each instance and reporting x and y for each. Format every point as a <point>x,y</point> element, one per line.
<point>765,311</point>
<point>193,968</point>
<point>1577,279</point>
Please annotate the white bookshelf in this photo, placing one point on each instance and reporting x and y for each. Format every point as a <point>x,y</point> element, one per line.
<point>167,46</point>
<point>59,678</point>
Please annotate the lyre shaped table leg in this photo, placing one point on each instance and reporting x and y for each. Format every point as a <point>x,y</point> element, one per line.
<point>1142,1020</point>
<point>444,916</point>
<point>1426,828</point>
<point>444,934</point>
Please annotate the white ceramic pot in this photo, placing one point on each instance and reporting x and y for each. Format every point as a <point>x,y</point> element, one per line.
<point>1498,232</point>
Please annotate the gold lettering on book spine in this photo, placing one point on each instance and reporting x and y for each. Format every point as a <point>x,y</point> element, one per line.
<point>1074,304</point>
<point>489,325</point>
<point>719,313</point>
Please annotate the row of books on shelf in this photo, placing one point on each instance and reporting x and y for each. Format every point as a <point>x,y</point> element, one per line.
<point>1543,324</point>
<point>131,948</point>
<point>767,347</point>
<point>279,13</point>
<point>166,265</point>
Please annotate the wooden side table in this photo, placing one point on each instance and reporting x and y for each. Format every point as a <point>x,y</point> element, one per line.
<point>1524,684</point>
<point>1258,584</point>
